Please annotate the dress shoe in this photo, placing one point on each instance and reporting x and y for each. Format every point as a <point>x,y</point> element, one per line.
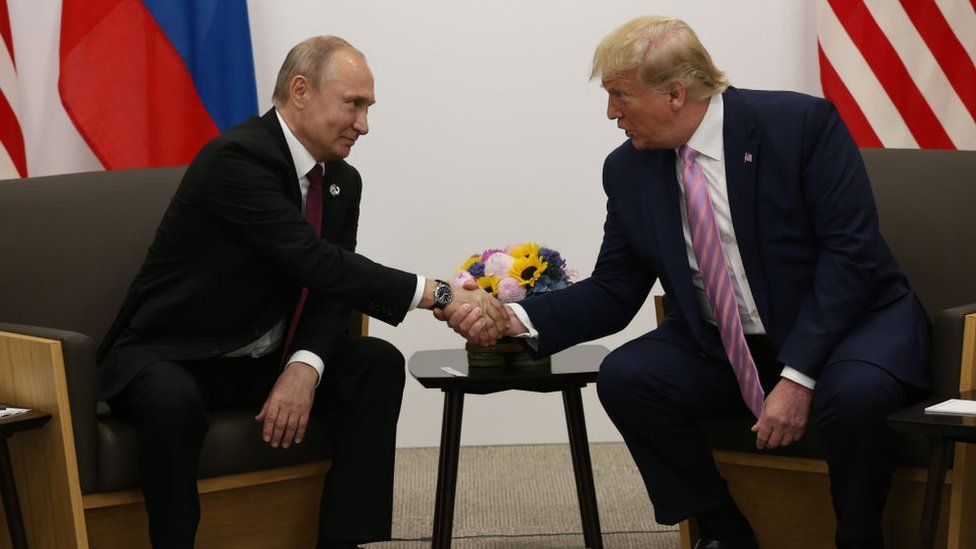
<point>719,544</point>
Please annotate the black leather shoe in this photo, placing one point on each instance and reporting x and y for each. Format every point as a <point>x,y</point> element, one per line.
<point>719,544</point>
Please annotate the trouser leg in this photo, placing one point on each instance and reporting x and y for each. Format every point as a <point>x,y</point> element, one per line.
<point>653,390</point>
<point>850,403</point>
<point>363,387</point>
<point>165,406</point>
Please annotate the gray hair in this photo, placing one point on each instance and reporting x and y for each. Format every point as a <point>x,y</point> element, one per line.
<point>311,58</point>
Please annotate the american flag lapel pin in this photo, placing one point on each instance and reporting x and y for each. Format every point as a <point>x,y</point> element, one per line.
<point>748,158</point>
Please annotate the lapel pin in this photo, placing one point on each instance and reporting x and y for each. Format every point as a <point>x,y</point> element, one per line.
<point>334,190</point>
<point>748,158</point>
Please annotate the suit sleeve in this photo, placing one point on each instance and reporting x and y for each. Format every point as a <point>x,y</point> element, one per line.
<point>602,304</point>
<point>324,320</point>
<point>845,223</point>
<point>249,199</point>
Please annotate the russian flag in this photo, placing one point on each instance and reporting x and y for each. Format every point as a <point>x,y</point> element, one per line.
<point>148,82</point>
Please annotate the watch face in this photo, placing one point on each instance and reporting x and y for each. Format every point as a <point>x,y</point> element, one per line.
<point>443,294</point>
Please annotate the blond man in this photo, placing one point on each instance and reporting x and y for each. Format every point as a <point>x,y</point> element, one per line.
<point>754,211</point>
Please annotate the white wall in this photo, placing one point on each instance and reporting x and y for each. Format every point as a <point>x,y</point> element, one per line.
<point>486,131</point>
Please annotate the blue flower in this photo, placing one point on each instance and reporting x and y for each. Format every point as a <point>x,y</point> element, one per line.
<point>477,269</point>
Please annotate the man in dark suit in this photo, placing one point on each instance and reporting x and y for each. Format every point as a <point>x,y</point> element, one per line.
<point>755,212</point>
<point>244,296</point>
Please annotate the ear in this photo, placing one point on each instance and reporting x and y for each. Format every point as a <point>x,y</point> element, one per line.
<point>677,97</point>
<point>299,90</point>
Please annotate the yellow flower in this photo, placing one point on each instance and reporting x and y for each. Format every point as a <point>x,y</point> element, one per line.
<point>489,284</point>
<point>471,260</point>
<point>528,269</point>
<point>525,250</point>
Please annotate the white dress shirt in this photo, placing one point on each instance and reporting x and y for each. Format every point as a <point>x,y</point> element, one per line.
<point>304,161</point>
<point>710,144</point>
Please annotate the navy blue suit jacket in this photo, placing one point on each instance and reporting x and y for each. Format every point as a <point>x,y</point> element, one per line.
<point>825,282</point>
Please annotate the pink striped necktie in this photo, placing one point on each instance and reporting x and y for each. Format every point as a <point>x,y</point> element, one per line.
<point>313,214</point>
<point>718,284</point>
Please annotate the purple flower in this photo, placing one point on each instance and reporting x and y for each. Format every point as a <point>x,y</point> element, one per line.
<point>499,265</point>
<point>555,261</point>
<point>487,254</point>
<point>459,279</point>
<point>477,269</point>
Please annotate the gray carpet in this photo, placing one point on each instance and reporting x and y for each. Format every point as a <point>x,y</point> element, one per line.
<point>524,496</point>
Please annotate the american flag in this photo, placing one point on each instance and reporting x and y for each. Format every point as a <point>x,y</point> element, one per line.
<point>13,161</point>
<point>901,72</point>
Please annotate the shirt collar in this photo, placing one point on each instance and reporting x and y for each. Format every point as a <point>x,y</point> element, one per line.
<point>707,139</point>
<point>299,154</point>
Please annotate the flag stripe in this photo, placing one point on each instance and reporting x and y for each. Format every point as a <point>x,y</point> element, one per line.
<point>136,106</point>
<point>8,38</point>
<point>891,72</point>
<point>946,48</point>
<point>962,19</point>
<point>852,114</point>
<point>862,83</point>
<point>925,72</point>
<point>212,38</point>
<point>12,138</point>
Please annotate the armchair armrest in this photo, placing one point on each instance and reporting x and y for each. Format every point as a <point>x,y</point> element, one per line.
<point>78,351</point>
<point>947,347</point>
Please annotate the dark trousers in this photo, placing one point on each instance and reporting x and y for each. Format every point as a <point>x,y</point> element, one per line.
<point>654,389</point>
<point>169,404</point>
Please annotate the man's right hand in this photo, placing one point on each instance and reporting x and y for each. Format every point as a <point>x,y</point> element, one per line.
<point>471,323</point>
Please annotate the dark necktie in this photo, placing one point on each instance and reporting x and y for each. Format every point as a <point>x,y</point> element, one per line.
<point>313,214</point>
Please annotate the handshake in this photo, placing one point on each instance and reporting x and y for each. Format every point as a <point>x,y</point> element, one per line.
<point>477,316</point>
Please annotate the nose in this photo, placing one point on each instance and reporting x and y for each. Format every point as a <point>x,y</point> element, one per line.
<point>361,125</point>
<point>613,112</point>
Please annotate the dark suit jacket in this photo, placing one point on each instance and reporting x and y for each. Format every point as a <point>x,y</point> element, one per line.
<point>826,284</point>
<point>232,253</point>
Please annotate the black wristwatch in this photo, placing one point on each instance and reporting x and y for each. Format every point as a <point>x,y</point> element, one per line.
<point>442,295</point>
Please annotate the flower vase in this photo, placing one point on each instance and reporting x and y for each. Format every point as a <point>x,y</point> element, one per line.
<point>506,353</point>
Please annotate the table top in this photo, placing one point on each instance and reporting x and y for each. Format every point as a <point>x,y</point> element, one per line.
<point>23,422</point>
<point>575,366</point>
<point>914,420</point>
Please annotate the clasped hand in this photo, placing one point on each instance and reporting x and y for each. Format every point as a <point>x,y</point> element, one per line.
<point>479,317</point>
<point>783,418</point>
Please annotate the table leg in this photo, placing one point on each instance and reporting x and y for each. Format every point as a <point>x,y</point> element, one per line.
<point>933,490</point>
<point>11,505</point>
<point>582,467</point>
<point>447,469</point>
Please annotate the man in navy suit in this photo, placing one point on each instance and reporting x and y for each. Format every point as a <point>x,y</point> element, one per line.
<point>822,323</point>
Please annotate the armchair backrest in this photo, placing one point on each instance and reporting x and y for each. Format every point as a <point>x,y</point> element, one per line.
<point>926,201</point>
<point>70,244</point>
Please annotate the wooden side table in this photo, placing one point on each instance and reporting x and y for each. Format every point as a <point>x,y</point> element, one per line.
<point>571,370</point>
<point>8,490</point>
<point>943,431</point>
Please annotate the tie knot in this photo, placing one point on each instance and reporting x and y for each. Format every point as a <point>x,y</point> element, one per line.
<point>687,154</point>
<point>315,175</point>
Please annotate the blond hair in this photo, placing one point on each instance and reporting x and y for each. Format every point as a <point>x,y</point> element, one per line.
<point>665,52</point>
<point>311,58</point>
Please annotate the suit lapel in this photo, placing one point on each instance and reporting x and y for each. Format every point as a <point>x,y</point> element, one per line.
<point>666,218</point>
<point>332,203</point>
<point>741,159</point>
<point>292,189</point>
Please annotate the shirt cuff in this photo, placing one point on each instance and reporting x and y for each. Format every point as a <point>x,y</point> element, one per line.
<point>418,294</point>
<point>797,376</point>
<point>532,335</point>
<point>310,358</point>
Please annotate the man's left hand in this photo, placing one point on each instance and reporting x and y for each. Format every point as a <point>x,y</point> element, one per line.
<point>784,415</point>
<point>285,411</point>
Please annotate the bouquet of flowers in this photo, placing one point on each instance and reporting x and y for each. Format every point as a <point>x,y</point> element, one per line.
<point>516,271</point>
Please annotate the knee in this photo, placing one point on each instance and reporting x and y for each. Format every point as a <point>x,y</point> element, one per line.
<point>617,379</point>
<point>857,395</point>
<point>387,362</point>
<point>168,400</point>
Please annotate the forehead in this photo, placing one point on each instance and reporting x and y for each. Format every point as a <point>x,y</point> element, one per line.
<point>350,74</point>
<point>622,80</point>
